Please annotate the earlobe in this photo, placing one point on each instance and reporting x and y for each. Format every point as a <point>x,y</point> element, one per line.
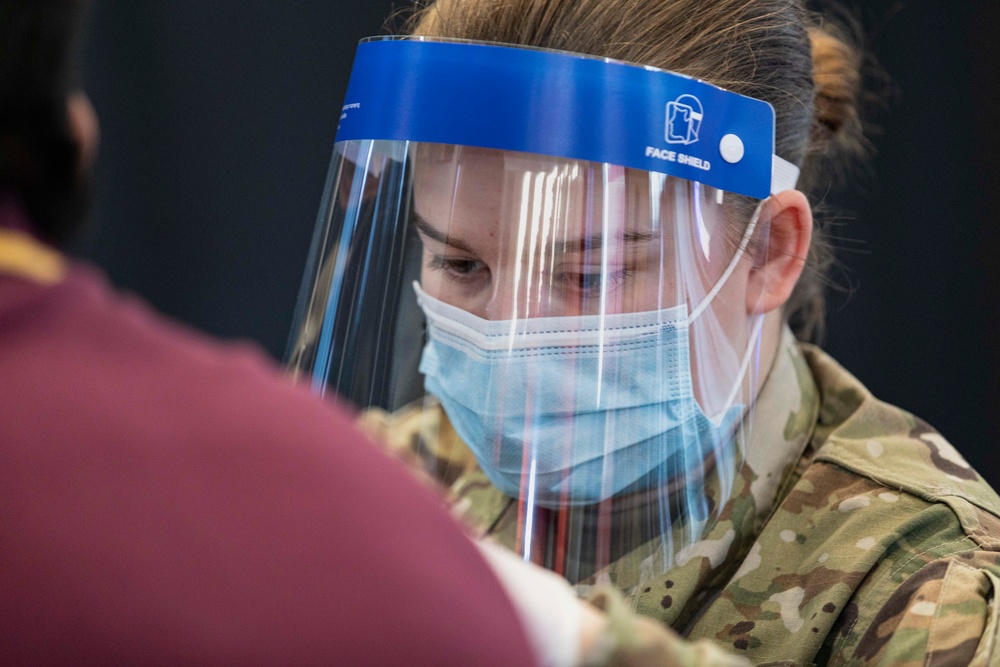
<point>786,221</point>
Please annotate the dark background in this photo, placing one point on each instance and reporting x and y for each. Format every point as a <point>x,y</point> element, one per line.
<point>219,117</point>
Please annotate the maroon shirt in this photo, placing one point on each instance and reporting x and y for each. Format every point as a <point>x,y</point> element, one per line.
<point>165,499</point>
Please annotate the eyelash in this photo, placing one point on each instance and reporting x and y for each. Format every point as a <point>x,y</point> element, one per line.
<point>465,270</point>
<point>612,280</point>
<point>451,267</point>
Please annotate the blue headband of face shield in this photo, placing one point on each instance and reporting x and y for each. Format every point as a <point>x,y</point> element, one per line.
<point>563,104</point>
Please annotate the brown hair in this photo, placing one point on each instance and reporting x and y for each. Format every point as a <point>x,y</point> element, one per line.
<point>773,50</point>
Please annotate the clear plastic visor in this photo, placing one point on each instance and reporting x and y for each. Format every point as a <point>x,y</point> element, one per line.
<point>570,346</point>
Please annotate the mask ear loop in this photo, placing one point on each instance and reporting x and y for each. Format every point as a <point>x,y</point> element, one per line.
<point>717,418</point>
<point>744,242</point>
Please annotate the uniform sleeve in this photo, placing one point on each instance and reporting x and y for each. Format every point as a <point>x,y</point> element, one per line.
<point>948,613</point>
<point>629,640</point>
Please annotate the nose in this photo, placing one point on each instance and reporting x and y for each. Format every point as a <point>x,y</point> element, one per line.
<point>511,298</point>
<point>501,302</point>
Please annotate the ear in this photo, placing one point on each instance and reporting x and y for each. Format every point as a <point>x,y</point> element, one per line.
<point>84,129</point>
<point>780,261</point>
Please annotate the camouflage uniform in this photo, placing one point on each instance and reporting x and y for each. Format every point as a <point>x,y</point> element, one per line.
<point>856,536</point>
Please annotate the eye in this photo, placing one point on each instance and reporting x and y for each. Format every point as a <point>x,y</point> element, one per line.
<point>594,282</point>
<point>455,268</point>
<point>589,282</point>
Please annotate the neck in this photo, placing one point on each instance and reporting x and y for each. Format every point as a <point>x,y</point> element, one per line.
<point>770,336</point>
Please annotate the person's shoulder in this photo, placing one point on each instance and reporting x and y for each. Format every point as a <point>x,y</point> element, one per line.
<point>873,439</point>
<point>103,357</point>
<point>123,427</point>
<point>884,535</point>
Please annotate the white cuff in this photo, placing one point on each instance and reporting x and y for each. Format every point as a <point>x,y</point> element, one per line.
<point>550,611</point>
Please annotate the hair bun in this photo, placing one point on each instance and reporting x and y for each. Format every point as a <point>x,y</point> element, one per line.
<point>837,127</point>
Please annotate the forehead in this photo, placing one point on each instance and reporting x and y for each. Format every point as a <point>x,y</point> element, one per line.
<point>459,176</point>
<point>437,161</point>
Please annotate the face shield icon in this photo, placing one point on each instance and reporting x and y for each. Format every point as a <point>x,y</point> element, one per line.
<point>684,120</point>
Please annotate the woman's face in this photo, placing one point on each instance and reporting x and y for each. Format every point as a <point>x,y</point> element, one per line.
<point>508,235</point>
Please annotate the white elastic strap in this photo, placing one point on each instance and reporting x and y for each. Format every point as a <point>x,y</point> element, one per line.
<point>784,176</point>
<point>744,242</point>
<point>747,356</point>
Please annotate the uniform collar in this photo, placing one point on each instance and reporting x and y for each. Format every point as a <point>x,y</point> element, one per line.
<point>781,426</point>
<point>785,415</point>
<point>22,255</point>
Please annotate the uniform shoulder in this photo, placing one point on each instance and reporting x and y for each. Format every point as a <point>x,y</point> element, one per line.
<point>884,443</point>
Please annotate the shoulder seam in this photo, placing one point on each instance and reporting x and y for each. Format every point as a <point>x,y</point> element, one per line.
<point>930,493</point>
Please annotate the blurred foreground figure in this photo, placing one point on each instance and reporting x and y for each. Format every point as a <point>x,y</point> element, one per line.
<point>168,500</point>
<point>568,257</point>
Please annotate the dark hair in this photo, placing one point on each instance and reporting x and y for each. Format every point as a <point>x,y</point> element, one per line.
<point>773,50</point>
<point>39,158</point>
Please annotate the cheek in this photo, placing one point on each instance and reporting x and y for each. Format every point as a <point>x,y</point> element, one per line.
<point>648,288</point>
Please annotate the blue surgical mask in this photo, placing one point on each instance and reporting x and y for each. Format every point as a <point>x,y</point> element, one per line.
<point>574,410</point>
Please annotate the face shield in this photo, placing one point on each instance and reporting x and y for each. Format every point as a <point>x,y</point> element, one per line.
<point>540,262</point>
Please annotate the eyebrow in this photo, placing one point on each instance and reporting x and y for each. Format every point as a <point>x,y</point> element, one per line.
<point>432,233</point>
<point>596,242</point>
<point>590,243</point>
